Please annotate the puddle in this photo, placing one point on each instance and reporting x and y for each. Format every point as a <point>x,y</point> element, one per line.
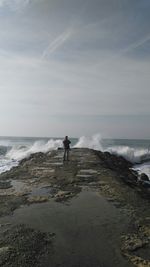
<point>44,191</point>
<point>84,175</point>
<point>21,187</point>
<point>59,157</point>
<point>43,169</point>
<point>18,186</point>
<point>91,171</point>
<point>5,185</point>
<point>56,163</point>
<point>87,230</point>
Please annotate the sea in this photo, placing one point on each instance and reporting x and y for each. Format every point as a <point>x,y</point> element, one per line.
<point>14,149</point>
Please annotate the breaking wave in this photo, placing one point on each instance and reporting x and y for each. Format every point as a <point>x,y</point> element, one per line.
<point>93,142</point>
<point>21,152</point>
<point>135,155</point>
<point>12,152</point>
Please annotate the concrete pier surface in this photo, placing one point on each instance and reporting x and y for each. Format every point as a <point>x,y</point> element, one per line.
<point>87,211</point>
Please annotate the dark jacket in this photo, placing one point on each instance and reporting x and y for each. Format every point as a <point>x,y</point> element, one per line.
<point>66,143</point>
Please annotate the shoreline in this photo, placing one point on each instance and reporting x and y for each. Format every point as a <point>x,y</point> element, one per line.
<point>43,179</point>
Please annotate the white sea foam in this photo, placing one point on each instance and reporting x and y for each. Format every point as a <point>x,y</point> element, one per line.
<point>24,150</point>
<point>143,168</point>
<point>20,152</point>
<point>93,142</point>
<point>134,155</point>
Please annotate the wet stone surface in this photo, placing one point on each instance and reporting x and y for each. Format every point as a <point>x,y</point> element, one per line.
<point>23,246</point>
<point>44,178</point>
<point>5,185</point>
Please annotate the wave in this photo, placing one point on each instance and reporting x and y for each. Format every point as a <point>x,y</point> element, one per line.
<point>93,142</point>
<point>4,149</point>
<point>10,156</point>
<point>12,152</point>
<point>135,155</point>
<point>20,152</point>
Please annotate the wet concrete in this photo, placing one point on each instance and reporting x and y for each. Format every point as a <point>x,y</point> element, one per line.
<point>85,202</point>
<point>87,229</point>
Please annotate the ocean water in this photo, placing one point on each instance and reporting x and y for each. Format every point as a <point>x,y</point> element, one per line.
<point>14,149</point>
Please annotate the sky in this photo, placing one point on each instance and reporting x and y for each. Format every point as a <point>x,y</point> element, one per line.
<point>75,67</point>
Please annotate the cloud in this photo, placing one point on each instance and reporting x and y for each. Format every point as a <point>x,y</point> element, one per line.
<point>136,44</point>
<point>58,62</point>
<point>57,43</point>
<point>3,2</point>
<point>14,5</point>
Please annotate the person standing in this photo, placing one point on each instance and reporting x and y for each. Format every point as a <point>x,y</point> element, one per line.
<point>66,144</point>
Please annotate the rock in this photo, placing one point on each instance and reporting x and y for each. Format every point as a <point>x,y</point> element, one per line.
<point>60,148</point>
<point>37,199</point>
<point>24,246</point>
<point>63,195</point>
<point>144,177</point>
<point>134,242</point>
<point>4,250</point>
<point>144,181</point>
<point>138,261</point>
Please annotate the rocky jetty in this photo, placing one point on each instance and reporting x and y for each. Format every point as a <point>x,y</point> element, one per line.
<point>42,179</point>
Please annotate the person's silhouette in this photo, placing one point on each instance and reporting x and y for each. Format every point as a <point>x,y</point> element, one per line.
<point>66,144</point>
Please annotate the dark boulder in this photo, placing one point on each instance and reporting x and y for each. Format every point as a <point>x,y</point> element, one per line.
<point>144,177</point>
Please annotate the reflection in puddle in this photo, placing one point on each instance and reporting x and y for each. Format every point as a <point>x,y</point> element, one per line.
<point>18,185</point>
<point>56,163</point>
<point>58,157</point>
<point>90,171</point>
<point>44,191</point>
<point>22,187</point>
<point>84,175</point>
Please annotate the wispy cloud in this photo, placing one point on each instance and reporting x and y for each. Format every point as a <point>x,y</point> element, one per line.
<point>54,56</point>
<point>14,4</point>
<point>136,44</point>
<point>57,43</point>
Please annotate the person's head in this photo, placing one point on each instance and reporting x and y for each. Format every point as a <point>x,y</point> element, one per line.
<point>66,137</point>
